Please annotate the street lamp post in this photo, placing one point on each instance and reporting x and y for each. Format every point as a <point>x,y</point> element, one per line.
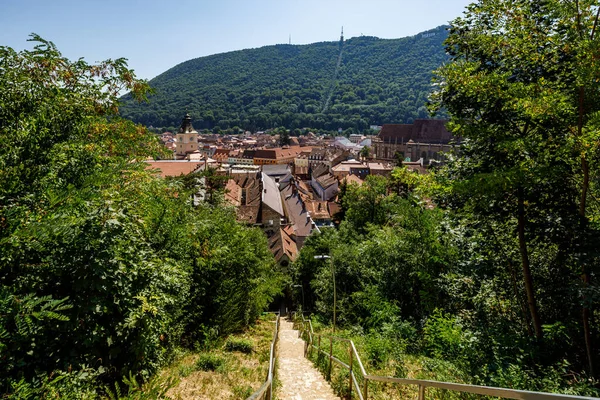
<point>301,287</point>
<point>320,257</point>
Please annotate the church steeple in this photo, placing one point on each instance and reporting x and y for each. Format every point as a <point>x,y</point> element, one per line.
<point>186,125</point>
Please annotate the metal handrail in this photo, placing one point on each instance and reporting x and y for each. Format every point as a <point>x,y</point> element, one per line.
<point>306,326</point>
<point>266,389</point>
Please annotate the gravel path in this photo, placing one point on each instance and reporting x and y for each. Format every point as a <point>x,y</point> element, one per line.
<point>299,379</point>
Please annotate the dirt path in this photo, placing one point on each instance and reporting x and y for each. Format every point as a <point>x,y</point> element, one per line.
<point>299,379</point>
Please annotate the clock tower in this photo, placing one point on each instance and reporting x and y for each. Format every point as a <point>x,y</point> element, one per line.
<point>187,137</point>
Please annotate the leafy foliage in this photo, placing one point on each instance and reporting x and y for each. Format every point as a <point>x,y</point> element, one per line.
<point>522,89</point>
<point>104,266</point>
<point>422,288</point>
<point>493,259</point>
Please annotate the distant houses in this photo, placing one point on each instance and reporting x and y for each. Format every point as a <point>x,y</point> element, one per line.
<point>291,191</point>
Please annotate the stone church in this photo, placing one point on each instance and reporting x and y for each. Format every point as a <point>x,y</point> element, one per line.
<point>425,138</point>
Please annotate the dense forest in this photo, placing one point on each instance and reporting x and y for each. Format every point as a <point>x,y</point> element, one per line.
<point>488,266</point>
<point>366,81</point>
<point>106,270</point>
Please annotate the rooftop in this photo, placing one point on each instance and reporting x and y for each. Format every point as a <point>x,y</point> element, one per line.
<point>270,194</point>
<point>282,244</point>
<point>421,131</point>
<point>174,167</point>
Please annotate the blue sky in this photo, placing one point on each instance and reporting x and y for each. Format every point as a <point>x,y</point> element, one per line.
<point>157,35</point>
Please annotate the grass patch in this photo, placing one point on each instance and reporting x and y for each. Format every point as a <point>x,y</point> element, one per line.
<point>185,370</point>
<point>225,371</point>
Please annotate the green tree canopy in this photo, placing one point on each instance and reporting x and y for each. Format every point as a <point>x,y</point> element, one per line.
<point>105,268</point>
<point>522,90</point>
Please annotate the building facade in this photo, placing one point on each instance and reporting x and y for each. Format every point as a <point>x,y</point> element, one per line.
<point>425,139</point>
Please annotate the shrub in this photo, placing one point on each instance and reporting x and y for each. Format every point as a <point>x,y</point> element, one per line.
<point>340,383</point>
<point>209,362</point>
<point>443,336</point>
<point>241,345</point>
<point>378,349</point>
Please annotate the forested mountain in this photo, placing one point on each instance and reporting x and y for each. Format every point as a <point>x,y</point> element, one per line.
<point>360,82</point>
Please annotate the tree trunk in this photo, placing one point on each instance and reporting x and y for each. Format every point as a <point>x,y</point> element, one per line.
<point>586,276</point>
<point>528,279</point>
<point>587,333</point>
<point>518,297</point>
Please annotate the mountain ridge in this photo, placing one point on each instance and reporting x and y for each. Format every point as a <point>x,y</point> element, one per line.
<point>378,81</point>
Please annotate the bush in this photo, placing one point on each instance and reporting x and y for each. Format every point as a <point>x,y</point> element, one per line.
<point>241,345</point>
<point>76,385</point>
<point>444,337</point>
<point>378,350</point>
<point>210,362</point>
<point>340,383</point>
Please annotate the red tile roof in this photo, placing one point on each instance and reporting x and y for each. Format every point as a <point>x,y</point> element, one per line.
<point>174,168</point>
<point>353,179</point>
<point>279,153</point>
<point>318,209</point>
<point>281,244</point>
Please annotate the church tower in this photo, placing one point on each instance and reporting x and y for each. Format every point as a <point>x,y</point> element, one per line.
<point>187,137</point>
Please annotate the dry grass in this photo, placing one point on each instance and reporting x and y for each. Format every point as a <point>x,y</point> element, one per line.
<point>237,378</point>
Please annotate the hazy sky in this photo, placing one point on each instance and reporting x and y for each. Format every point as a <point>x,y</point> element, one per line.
<point>155,35</point>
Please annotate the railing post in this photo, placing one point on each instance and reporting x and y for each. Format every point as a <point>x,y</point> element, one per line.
<point>366,388</point>
<point>318,348</point>
<point>330,358</point>
<point>421,392</point>
<point>351,382</point>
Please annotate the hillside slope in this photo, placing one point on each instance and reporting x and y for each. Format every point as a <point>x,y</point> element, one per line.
<point>378,81</point>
